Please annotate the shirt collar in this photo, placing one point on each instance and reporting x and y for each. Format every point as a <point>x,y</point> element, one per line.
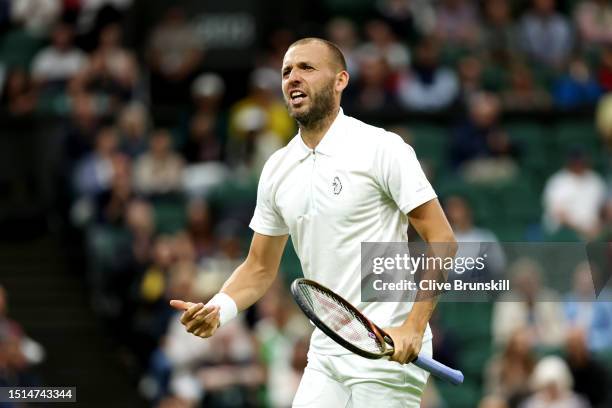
<point>328,144</point>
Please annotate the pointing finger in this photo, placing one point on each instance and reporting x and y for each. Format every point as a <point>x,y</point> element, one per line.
<point>180,305</point>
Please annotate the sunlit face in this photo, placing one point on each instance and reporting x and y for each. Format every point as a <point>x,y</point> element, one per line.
<point>310,83</point>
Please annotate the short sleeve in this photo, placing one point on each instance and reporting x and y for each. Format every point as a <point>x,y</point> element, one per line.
<point>267,219</point>
<point>400,174</point>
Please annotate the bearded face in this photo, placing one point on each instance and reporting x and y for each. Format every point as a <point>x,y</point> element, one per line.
<point>310,84</point>
<point>308,113</point>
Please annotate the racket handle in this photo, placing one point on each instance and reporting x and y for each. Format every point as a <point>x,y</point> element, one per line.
<point>439,370</point>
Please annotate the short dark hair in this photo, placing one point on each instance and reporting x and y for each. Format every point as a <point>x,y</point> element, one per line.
<point>337,55</point>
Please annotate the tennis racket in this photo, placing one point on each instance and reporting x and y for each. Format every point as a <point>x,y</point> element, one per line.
<point>347,326</point>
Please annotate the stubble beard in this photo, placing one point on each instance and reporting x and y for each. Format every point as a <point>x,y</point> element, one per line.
<point>322,108</point>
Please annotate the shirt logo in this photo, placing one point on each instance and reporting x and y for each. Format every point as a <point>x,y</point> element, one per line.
<point>337,185</point>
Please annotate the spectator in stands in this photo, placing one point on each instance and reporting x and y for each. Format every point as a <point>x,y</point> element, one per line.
<point>473,241</point>
<point>228,254</point>
<point>160,169</point>
<point>203,143</point>
<point>253,141</point>
<point>207,92</point>
<point>224,368</point>
<point>428,86</point>
<point>371,91</point>
<point>590,376</point>
<point>200,229</point>
<point>112,203</point>
<point>577,88</point>
<point>37,16</point>
<point>524,94</point>
<point>18,96</point>
<point>604,74</point>
<point>573,196</point>
<point>546,35</point>
<point>409,19</point>
<point>552,382</point>
<point>18,352</point>
<point>499,38</point>
<point>93,15</point>
<point>56,64</point>
<point>133,126</point>
<point>584,312</point>
<point>264,96</point>
<point>470,70</point>
<point>342,32</point>
<point>175,351</point>
<point>279,328</point>
<point>230,369</point>
<point>111,70</point>
<point>530,307</point>
<point>480,149</point>
<point>507,373</point>
<point>457,23</point>
<point>82,128</point>
<point>174,55</point>
<point>380,40</point>
<point>594,22</point>
<point>94,173</point>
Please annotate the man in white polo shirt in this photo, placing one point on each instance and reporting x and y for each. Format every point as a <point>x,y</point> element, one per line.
<point>338,183</point>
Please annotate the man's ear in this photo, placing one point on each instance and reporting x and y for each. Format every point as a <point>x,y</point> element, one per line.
<point>342,80</point>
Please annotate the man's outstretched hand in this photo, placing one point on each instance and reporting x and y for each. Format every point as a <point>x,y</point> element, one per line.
<point>199,319</point>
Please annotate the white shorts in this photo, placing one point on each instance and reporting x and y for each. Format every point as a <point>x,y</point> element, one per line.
<point>351,381</point>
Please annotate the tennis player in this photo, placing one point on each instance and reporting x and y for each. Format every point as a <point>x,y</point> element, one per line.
<point>338,183</point>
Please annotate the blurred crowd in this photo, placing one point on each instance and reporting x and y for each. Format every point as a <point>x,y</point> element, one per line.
<point>163,200</point>
<point>19,354</point>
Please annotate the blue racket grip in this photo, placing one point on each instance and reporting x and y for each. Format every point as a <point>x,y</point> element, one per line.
<point>438,369</point>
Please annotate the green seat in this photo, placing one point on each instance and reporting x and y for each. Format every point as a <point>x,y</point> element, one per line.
<point>533,143</point>
<point>583,134</point>
<point>18,47</point>
<point>494,78</point>
<point>520,200</point>
<point>170,214</point>
<point>572,133</point>
<point>429,141</point>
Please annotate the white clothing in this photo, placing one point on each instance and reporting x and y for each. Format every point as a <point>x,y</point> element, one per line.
<point>356,382</point>
<point>356,186</point>
<point>578,197</point>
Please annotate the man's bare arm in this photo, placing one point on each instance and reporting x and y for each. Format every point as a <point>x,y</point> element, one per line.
<point>245,286</point>
<point>431,224</point>
<point>252,279</point>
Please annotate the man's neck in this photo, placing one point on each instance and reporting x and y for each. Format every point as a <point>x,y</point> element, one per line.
<point>312,135</point>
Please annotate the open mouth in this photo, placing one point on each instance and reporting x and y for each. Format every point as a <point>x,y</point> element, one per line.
<point>297,97</point>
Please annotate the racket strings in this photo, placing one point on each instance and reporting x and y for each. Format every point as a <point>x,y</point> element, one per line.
<point>341,319</point>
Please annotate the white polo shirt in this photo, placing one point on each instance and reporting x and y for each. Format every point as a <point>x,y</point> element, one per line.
<point>356,186</point>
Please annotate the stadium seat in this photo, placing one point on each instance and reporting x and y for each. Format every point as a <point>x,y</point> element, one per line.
<point>170,215</point>
<point>18,47</point>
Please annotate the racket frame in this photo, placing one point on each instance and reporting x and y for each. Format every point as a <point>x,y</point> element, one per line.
<point>383,338</point>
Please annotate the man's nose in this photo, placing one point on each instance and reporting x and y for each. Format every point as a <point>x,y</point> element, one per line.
<point>294,78</point>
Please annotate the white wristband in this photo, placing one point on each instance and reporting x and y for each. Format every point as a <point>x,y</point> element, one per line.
<point>227,307</point>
